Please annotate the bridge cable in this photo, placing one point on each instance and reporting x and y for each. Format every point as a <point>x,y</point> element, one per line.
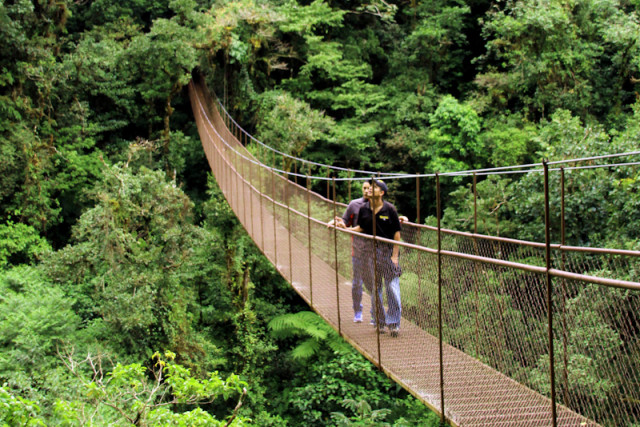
<point>502,170</point>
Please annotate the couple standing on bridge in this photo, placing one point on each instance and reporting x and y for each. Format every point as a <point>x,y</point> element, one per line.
<point>362,215</point>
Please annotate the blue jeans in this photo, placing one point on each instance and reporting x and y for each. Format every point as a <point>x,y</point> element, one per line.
<point>358,279</point>
<point>386,274</point>
<point>394,309</point>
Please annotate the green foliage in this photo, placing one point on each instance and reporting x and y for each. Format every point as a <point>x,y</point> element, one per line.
<point>134,394</point>
<point>290,125</point>
<point>306,19</point>
<point>510,140</point>
<point>162,59</point>
<point>20,243</point>
<point>588,213</point>
<point>137,262</point>
<point>322,387</point>
<point>555,54</point>
<point>363,414</point>
<point>414,86</point>
<point>330,372</point>
<point>103,12</point>
<point>303,324</point>
<point>453,142</point>
<point>492,210</point>
<point>592,344</point>
<point>436,42</point>
<point>35,318</point>
<point>17,411</point>
<point>9,178</point>
<point>33,202</point>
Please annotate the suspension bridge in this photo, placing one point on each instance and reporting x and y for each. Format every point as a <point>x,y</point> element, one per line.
<point>494,331</point>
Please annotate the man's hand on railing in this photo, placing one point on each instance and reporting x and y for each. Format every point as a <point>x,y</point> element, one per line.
<point>340,222</point>
<point>336,222</point>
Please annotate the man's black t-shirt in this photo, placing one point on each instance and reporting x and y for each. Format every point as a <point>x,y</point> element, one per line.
<point>387,221</point>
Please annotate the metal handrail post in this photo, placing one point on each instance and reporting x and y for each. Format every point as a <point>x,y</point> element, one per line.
<point>220,176</point>
<point>328,183</point>
<point>227,179</point>
<point>563,256</point>
<point>290,231</point>
<point>309,236</point>
<point>418,199</point>
<point>375,287</point>
<point>243,163</point>
<point>295,171</point>
<point>273,199</point>
<point>440,346</point>
<point>329,198</point>
<point>476,264</point>
<point>236,179</point>
<point>335,250</point>
<point>547,236</point>
<point>230,180</point>
<point>251,201</point>
<point>261,172</point>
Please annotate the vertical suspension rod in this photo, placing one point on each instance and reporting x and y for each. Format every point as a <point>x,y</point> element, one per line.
<point>375,288</point>
<point>547,236</point>
<point>273,199</point>
<point>335,251</point>
<point>440,346</point>
<point>309,236</point>
<point>563,255</point>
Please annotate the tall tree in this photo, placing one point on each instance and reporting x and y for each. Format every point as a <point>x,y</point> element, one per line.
<point>544,55</point>
<point>135,264</point>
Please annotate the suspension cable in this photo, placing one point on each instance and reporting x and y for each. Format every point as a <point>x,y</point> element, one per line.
<point>502,170</point>
<point>298,158</point>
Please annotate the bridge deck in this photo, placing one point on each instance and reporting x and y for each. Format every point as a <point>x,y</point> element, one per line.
<point>475,394</point>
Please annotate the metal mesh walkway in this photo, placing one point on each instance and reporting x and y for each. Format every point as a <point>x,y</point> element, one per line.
<point>490,309</point>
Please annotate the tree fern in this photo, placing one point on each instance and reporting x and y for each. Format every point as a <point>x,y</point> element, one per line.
<point>307,324</point>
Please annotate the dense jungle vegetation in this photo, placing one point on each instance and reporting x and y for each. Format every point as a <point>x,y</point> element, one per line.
<point>129,293</point>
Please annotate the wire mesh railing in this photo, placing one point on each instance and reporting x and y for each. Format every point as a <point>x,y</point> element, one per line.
<point>495,331</point>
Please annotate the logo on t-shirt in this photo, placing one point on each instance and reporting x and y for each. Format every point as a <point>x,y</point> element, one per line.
<point>384,217</point>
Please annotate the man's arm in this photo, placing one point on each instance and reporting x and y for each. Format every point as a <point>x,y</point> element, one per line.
<point>341,224</point>
<point>396,248</point>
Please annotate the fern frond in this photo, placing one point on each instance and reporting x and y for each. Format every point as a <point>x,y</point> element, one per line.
<point>287,324</point>
<point>306,349</point>
<point>302,323</point>
<point>317,331</point>
<point>308,317</point>
<point>308,324</point>
<point>338,345</point>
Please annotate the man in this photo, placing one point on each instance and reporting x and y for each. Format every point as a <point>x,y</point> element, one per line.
<point>349,219</point>
<point>387,225</point>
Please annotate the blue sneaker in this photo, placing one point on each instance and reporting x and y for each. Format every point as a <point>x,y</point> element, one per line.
<point>357,318</point>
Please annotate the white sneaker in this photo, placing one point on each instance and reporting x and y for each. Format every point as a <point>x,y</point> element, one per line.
<point>357,318</point>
